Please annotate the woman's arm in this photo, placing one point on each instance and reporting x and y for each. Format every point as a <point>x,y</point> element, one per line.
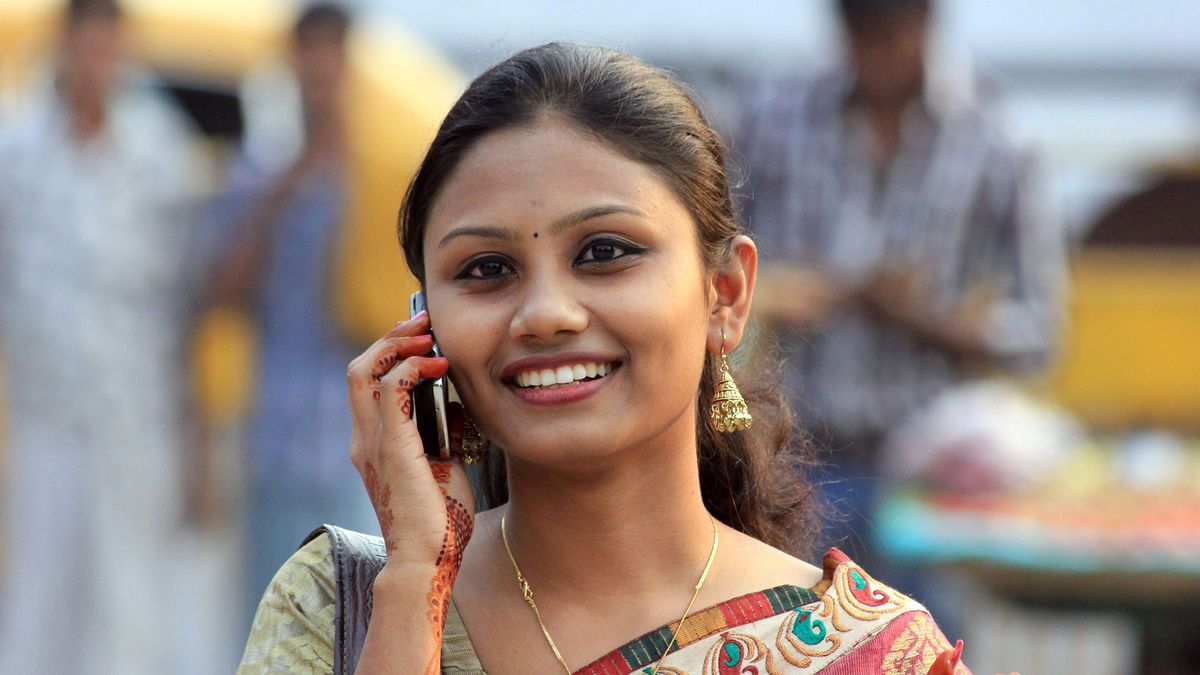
<point>426,514</point>
<point>425,507</point>
<point>397,641</point>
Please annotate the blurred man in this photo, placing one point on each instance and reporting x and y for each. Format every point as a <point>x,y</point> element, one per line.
<point>92,176</point>
<point>902,250</point>
<point>280,264</point>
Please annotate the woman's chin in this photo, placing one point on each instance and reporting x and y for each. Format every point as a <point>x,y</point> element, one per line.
<point>565,453</point>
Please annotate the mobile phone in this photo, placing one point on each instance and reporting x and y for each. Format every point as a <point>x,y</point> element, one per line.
<point>431,400</point>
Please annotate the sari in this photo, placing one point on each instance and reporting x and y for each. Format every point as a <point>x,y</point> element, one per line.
<point>847,624</point>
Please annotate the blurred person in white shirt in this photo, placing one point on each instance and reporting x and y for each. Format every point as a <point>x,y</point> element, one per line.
<point>94,174</point>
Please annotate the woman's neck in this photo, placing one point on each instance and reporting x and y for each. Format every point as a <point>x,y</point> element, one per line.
<point>634,526</point>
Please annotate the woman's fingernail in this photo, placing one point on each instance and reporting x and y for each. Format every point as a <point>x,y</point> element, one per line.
<point>420,315</point>
<point>958,647</point>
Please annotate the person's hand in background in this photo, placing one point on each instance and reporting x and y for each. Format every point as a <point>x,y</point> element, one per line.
<point>797,297</point>
<point>905,296</point>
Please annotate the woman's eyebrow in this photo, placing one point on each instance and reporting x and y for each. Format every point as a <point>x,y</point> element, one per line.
<point>488,231</point>
<point>564,223</point>
<point>590,212</point>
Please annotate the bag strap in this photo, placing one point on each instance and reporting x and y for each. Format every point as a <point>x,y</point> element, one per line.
<point>357,560</point>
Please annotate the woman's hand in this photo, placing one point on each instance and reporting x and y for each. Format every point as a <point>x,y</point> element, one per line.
<point>425,506</point>
<point>948,662</point>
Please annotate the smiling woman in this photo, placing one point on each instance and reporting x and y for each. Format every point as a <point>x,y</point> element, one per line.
<point>586,276</point>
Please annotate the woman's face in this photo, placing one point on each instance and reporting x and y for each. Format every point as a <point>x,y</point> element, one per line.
<point>552,258</point>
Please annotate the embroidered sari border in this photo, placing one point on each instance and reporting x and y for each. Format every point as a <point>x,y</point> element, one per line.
<point>742,610</point>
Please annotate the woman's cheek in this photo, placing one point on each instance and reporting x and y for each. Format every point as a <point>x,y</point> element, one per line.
<point>459,349</point>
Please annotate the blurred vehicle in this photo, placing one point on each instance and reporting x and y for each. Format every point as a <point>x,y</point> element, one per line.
<point>1131,357</point>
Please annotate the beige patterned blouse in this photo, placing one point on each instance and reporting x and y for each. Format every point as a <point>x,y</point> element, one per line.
<point>293,627</point>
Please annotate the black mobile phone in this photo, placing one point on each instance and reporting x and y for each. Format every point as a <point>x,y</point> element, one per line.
<point>431,400</point>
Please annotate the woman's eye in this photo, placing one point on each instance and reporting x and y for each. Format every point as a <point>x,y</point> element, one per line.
<point>487,268</point>
<point>604,251</point>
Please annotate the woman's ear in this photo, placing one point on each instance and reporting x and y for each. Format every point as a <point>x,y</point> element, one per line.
<point>732,292</point>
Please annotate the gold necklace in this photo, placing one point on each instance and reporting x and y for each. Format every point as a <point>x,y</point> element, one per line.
<point>527,593</point>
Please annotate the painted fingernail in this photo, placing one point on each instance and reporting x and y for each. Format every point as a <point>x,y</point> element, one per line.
<point>420,315</point>
<point>958,647</point>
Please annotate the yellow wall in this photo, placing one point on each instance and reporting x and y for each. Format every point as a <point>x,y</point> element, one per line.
<point>1132,354</point>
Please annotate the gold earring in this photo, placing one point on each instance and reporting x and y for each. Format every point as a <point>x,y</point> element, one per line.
<point>728,411</point>
<point>474,445</point>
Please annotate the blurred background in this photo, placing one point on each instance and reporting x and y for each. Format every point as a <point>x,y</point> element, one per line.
<point>199,196</point>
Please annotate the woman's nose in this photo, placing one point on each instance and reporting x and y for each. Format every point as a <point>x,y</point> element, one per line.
<point>547,309</point>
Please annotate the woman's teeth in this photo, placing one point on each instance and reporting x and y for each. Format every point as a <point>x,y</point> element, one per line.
<point>562,374</point>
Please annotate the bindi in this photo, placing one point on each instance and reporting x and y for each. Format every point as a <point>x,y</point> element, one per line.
<point>535,235</point>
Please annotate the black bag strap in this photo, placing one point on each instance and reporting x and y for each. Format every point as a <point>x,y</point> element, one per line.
<point>357,559</point>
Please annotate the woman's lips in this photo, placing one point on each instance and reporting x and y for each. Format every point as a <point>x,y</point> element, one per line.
<point>563,393</point>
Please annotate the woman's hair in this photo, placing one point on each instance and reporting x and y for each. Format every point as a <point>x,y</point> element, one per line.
<point>750,480</point>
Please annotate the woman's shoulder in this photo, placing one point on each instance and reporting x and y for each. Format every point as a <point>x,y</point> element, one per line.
<point>855,589</point>
<point>839,598</point>
<point>294,625</point>
<point>859,620</point>
<point>836,619</point>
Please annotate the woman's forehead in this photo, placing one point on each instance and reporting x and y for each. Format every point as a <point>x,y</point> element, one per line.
<point>543,170</point>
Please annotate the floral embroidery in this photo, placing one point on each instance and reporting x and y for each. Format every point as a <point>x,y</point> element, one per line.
<point>861,597</point>
<point>810,631</point>
<point>739,654</point>
<point>795,638</point>
<point>915,649</point>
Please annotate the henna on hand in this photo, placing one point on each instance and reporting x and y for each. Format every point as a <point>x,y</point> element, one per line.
<point>459,526</point>
<point>381,498</point>
<point>383,365</point>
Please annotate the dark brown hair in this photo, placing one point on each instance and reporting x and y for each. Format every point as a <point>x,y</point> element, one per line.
<point>856,13</point>
<point>318,17</point>
<point>750,480</point>
<point>78,11</point>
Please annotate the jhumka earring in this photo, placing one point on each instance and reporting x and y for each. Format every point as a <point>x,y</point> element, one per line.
<point>474,445</point>
<point>728,411</point>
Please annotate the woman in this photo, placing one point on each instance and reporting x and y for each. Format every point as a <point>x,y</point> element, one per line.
<point>586,276</point>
